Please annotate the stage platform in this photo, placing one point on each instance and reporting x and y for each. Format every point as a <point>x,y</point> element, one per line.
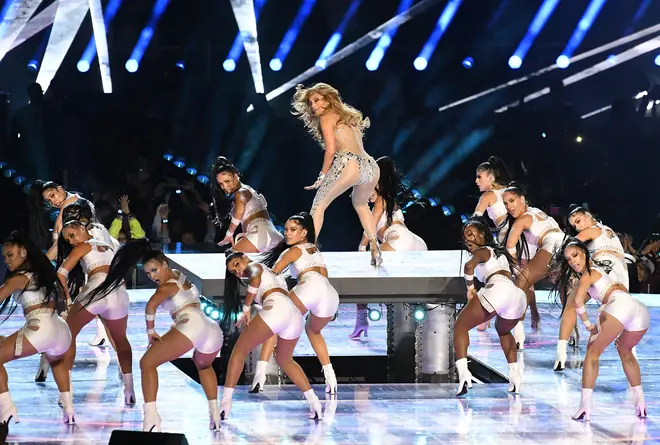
<point>360,414</point>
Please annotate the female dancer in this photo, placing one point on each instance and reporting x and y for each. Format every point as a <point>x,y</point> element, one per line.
<point>249,210</point>
<point>281,315</point>
<point>529,227</point>
<point>34,286</point>
<point>604,245</point>
<point>338,127</point>
<point>191,330</point>
<point>627,320</point>
<point>390,227</point>
<point>79,253</point>
<point>499,297</point>
<point>299,253</point>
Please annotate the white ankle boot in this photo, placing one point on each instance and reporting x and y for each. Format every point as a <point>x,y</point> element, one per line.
<point>560,361</point>
<point>225,402</point>
<point>7,408</point>
<point>330,379</point>
<point>259,379</point>
<point>519,335</point>
<point>44,367</point>
<point>129,391</point>
<point>67,407</point>
<point>151,421</point>
<point>584,412</point>
<point>640,403</point>
<point>464,377</point>
<point>315,407</point>
<point>214,415</point>
<point>101,337</point>
<point>515,378</point>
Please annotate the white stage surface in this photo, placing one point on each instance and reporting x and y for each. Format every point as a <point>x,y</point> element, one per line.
<point>413,277</point>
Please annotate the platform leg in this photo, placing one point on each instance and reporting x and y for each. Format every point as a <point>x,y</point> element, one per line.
<point>401,344</point>
<point>435,346</point>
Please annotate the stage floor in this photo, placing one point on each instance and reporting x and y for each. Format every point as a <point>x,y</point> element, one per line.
<point>360,414</point>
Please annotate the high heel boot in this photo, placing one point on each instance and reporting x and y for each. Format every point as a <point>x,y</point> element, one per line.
<point>151,421</point>
<point>584,412</point>
<point>330,379</point>
<point>214,415</point>
<point>560,361</point>
<point>464,377</point>
<point>44,366</point>
<point>67,407</point>
<point>315,407</point>
<point>519,335</point>
<point>7,408</point>
<point>259,379</point>
<point>374,248</point>
<point>361,324</point>
<point>515,378</point>
<point>101,337</point>
<point>225,403</point>
<point>129,392</point>
<point>640,403</point>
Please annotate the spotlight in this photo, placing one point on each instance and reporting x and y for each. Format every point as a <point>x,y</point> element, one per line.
<point>33,65</point>
<point>168,157</point>
<point>464,218</point>
<point>191,171</point>
<point>208,309</point>
<point>612,58</point>
<point>433,201</point>
<point>83,66</point>
<point>18,180</point>
<point>2,165</point>
<point>275,64</point>
<point>468,62</point>
<point>203,305</point>
<point>180,65</point>
<point>416,193</point>
<point>178,191</point>
<point>372,64</point>
<point>448,209</point>
<point>515,62</point>
<point>203,179</point>
<point>375,314</point>
<point>563,61</point>
<point>215,314</point>
<point>578,139</point>
<point>420,64</point>
<point>543,135</point>
<point>419,312</point>
<point>179,163</point>
<point>131,65</point>
<point>641,94</point>
<point>9,172</point>
<point>657,60</point>
<point>229,65</point>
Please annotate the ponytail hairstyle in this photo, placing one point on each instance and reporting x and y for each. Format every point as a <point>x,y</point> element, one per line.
<point>220,206</point>
<point>125,259</point>
<point>40,228</point>
<point>391,186</point>
<point>498,169</point>
<point>565,278</point>
<point>481,224</point>
<point>522,248</point>
<point>305,221</point>
<point>82,210</point>
<point>76,279</point>
<point>43,274</point>
<point>231,297</point>
<point>575,209</point>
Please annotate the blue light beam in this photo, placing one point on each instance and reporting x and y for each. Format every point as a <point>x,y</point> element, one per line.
<point>291,35</point>
<point>445,19</point>
<point>133,63</point>
<point>535,27</point>
<point>89,54</point>
<point>385,40</point>
<point>237,47</point>
<point>580,31</point>
<point>336,37</point>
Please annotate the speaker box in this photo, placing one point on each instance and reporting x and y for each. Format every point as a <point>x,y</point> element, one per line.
<point>119,437</point>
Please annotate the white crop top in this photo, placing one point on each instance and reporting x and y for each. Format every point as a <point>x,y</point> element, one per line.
<point>497,210</point>
<point>306,261</point>
<point>97,258</point>
<point>607,240</point>
<point>183,297</point>
<point>483,271</point>
<point>268,281</point>
<point>599,289</point>
<point>541,224</point>
<point>255,205</point>
<point>397,216</point>
<point>100,233</point>
<point>31,296</point>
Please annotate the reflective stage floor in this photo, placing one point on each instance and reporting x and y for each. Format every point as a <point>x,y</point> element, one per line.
<point>360,414</point>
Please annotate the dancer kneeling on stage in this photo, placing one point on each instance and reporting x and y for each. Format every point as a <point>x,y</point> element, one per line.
<point>192,329</point>
<point>299,253</point>
<point>491,265</point>
<point>34,286</point>
<point>280,315</point>
<point>620,317</point>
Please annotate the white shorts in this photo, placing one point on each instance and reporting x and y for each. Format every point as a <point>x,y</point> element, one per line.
<point>619,272</point>
<point>262,234</point>
<point>552,242</point>
<point>402,239</point>
<point>502,296</point>
<point>282,316</point>
<point>317,294</point>
<point>113,306</point>
<point>46,331</point>
<point>204,333</point>
<point>631,312</point>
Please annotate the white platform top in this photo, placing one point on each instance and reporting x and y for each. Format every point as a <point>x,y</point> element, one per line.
<point>431,274</point>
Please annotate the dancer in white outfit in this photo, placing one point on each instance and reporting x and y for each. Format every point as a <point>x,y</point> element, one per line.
<point>192,329</point>
<point>78,253</point>
<point>621,317</point>
<point>249,210</point>
<point>302,257</point>
<point>33,285</point>
<point>499,297</point>
<point>281,315</point>
<point>604,245</point>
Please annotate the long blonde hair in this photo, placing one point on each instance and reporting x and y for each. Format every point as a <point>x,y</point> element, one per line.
<point>347,114</point>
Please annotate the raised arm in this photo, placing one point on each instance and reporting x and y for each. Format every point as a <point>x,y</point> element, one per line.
<point>288,256</point>
<point>13,284</point>
<point>163,292</point>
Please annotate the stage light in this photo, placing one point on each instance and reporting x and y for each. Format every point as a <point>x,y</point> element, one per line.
<point>145,36</point>
<point>578,139</point>
<point>275,64</point>
<point>372,64</point>
<point>420,64</point>
<point>612,59</point>
<point>203,305</point>
<point>563,61</point>
<point>2,165</point>
<point>179,163</point>
<point>440,27</point>
<point>132,65</point>
<point>180,65</point>
<point>18,180</point>
<point>229,65</point>
<point>433,201</point>
<point>464,218</point>
<point>641,94</point>
<point>191,171</point>
<point>215,314</point>
<point>468,62</point>
<point>33,65</point>
<point>336,37</point>
<point>384,42</point>
<point>375,314</point>
<point>291,35</point>
<point>177,191</point>
<point>657,60</point>
<point>168,157</point>
<point>89,54</point>
<point>208,309</point>
<point>26,187</point>
<point>416,193</point>
<point>515,62</point>
<point>448,209</point>
<point>649,105</point>
<point>83,66</point>
<point>543,135</point>
<point>9,172</point>
<point>419,312</point>
<point>203,179</point>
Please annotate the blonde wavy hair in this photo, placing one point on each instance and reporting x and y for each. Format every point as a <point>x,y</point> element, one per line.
<point>347,114</point>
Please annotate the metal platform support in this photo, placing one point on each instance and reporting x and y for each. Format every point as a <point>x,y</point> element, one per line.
<point>401,344</point>
<point>435,347</point>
